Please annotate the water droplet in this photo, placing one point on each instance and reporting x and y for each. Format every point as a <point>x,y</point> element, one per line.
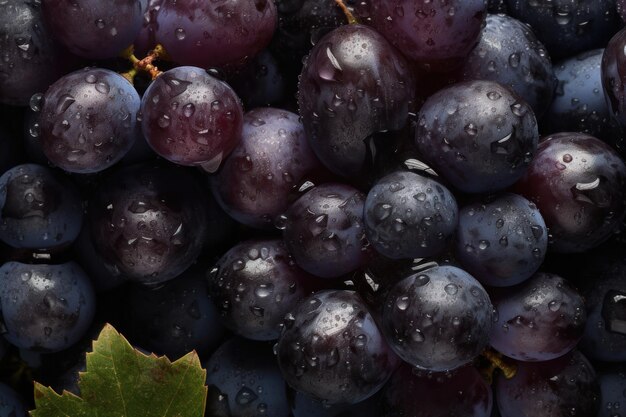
<point>245,396</point>
<point>180,34</point>
<point>451,289</point>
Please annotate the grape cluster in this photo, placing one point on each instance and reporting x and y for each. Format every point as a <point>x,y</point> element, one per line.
<point>380,208</point>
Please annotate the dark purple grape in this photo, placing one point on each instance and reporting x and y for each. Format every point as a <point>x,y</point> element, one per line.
<point>409,216</point>
<point>31,60</point>
<point>353,85</point>
<point>578,183</point>
<point>305,406</point>
<point>324,230</point>
<point>261,83</point>
<point>191,118</point>
<point>254,285</point>
<point>146,39</point>
<point>563,387</point>
<point>39,208</point>
<point>88,120</point>
<point>427,31</point>
<point>539,320</point>
<point>614,76</point>
<point>272,158</point>
<point>415,393</point>
<point>10,402</point>
<point>438,319</point>
<point>245,381</point>
<point>604,288</point>
<point>332,350</point>
<point>94,29</point>
<point>509,53</point>
<point>45,308</point>
<point>612,394</point>
<point>149,222</point>
<point>579,104</point>
<point>215,34</point>
<point>501,240</point>
<point>174,318</point>
<point>568,27</point>
<point>478,135</point>
<point>621,9</point>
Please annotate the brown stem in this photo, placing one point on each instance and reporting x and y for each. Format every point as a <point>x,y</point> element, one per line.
<point>143,65</point>
<point>351,19</point>
<point>497,361</point>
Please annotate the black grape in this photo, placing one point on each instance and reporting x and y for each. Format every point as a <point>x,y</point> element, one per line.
<point>217,33</point>
<point>245,381</point>
<point>501,240</point>
<point>567,27</point>
<point>92,28</point>
<point>174,318</point>
<point>146,38</point>
<point>40,209</point>
<point>353,85</point>
<point>88,120</point>
<point>255,284</point>
<point>332,350</point>
<point>509,53</point>
<point>563,387</point>
<point>478,135</point>
<point>612,394</point>
<point>438,319</point>
<point>621,9</point>
<point>579,185</point>
<point>539,320</point>
<point>256,180</point>
<point>427,31</point>
<point>409,216</point>
<point>191,118</point>
<point>579,104</point>
<point>415,393</point>
<point>324,230</point>
<point>149,221</point>
<point>31,60</point>
<point>614,76</point>
<point>11,405</point>
<point>45,308</point>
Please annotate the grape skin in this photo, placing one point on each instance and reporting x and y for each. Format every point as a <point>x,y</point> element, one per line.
<point>191,118</point>
<point>46,308</point>
<point>10,402</point>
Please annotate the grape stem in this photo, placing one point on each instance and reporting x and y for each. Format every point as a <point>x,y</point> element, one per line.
<point>349,16</point>
<point>497,361</point>
<point>144,65</point>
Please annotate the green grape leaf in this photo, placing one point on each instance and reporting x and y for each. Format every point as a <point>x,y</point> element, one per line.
<point>123,382</point>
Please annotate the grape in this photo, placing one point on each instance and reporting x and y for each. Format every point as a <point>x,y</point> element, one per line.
<point>612,394</point>
<point>577,182</point>
<point>191,118</point>
<point>428,31</point>
<point>174,318</point>
<point>324,230</point>
<point>31,60</point>
<point>614,76</point>
<point>563,387</point>
<point>94,29</point>
<point>414,393</point>
<point>255,284</point>
<point>438,319</point>
<point>565,27</point>
<point>273,156</point>
<point>501,240</point>
<point>40,208</point>
<point>353,85</point>
<point>621,9</point>
<point>332,350</point>
<point>478,135</point>
<point>509,53</point>
<point>244,381</point>
<point>46,308</point>
<point>88,120</point>
<point>579,104</point>
<point>305,406</point>
<point>10,403</point>
<point>604,288</point>
<point>215,34</point>
<point>409,216</point>
<point>149,222</point>
<point>146,39</point>
<point>539,320</point>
